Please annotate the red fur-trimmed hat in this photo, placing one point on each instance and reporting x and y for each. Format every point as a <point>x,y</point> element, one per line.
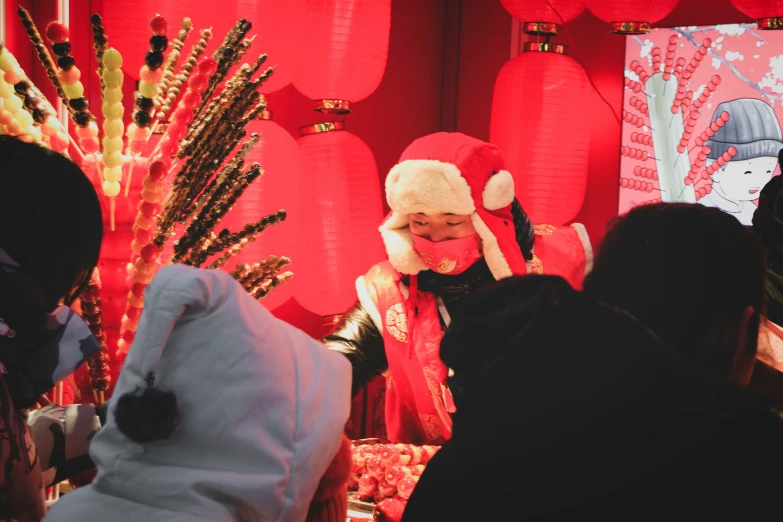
<point>452,172</point>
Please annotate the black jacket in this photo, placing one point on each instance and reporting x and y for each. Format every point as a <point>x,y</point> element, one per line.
<point>358,338</point>
<point>571,410</point>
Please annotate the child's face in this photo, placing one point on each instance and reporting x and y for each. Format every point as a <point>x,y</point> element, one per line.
<point>743,180</point>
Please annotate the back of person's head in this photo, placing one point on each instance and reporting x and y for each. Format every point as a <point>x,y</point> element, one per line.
<point>50,222</point>
<point>512,333</point>
<point>220,408</point>
<point>694,275</point>
<point>768,226</point>
<point>582,403</point>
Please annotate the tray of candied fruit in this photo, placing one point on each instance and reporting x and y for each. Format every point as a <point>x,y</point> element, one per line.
<point>383,476</point>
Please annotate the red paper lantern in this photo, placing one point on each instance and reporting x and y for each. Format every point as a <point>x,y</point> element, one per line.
<point>341,210</point>
<point>540,10</point>
<point>541,121</point>
<point>767,13</point>
<point>276,189</point>
<point>344,53</point>
<point>631,16</point>
<point>278,26</point>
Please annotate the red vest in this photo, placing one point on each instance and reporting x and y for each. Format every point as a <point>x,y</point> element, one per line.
<point>417,397</point>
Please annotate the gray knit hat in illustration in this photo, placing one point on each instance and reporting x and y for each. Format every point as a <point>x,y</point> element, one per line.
<point>753,130</point>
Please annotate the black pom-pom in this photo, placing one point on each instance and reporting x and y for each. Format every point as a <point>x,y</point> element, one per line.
<point>154,59</point>
<point>66,62</point>
<point>147,415</point>
<point>145,104</point>
<point>61,49</point>
<point>142,119</point>
<point>79,104</point>
<point>159,43</point>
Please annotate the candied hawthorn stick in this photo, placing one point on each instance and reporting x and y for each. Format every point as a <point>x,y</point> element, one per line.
<point>43,54</point>
<point>100,42</point>
<point>172,59</point>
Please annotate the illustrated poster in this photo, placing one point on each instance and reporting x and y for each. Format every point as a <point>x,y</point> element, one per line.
<point>702,111</point>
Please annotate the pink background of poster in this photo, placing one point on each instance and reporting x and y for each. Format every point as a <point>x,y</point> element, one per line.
<point>749,63</point>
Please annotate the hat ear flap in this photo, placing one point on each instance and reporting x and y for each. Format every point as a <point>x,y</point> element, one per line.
<point>499,191</point>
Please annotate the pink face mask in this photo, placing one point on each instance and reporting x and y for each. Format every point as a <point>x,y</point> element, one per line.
<point>449,257</point>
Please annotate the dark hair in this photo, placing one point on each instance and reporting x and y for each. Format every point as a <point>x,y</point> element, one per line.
<point>526,236</point>
<point>50,219</point>
<point>768,226</point>
<point>688,272</point>
<point>522,327</point>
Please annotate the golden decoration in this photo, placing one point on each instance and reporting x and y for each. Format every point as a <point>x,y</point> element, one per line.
<point>444,266</point>
<point>430,424</point>
<point>538,266</point>
<point>543,230</point>
<point>397,323</point>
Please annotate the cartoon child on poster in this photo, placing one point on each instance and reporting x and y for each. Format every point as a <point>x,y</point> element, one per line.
<point>754,131</point>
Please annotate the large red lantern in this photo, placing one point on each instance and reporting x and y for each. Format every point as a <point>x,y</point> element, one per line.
<point>544,11</point>
<point>344,52</point>
<point>278,30</point>
<point>540,120</point>
<point>767,13</point>
<point>278,155</point>
<point>341,210</point>
<point>631,16</point>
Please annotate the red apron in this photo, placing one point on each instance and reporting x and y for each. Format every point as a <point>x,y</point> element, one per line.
<point>416,411</point>
<point>417,397</point>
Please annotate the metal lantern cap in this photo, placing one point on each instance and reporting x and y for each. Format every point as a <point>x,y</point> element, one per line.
<point>332,106</point>
<point>541,29</point>
<point>630,28</point>
<point>770,24</point>
<point>545,47</point>
<point>317,128</point>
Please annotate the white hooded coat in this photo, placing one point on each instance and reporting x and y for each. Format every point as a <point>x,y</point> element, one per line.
<point>263,409</point>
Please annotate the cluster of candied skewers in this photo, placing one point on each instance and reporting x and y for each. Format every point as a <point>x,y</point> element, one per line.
<point>191,178</point>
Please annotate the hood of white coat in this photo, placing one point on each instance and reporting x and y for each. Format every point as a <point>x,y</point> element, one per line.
<point>263,408</point>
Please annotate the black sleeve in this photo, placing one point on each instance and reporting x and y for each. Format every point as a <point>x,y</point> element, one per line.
<point>357,337</point>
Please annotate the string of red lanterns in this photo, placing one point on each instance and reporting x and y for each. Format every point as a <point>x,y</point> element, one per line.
<point>344,58</point>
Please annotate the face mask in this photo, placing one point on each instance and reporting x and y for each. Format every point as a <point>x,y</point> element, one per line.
<point>448,257</point>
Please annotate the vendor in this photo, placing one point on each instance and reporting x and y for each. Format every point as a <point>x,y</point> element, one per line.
<point>455,226</point>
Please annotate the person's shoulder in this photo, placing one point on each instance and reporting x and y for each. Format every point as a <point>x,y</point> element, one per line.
<point>384,268</point>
